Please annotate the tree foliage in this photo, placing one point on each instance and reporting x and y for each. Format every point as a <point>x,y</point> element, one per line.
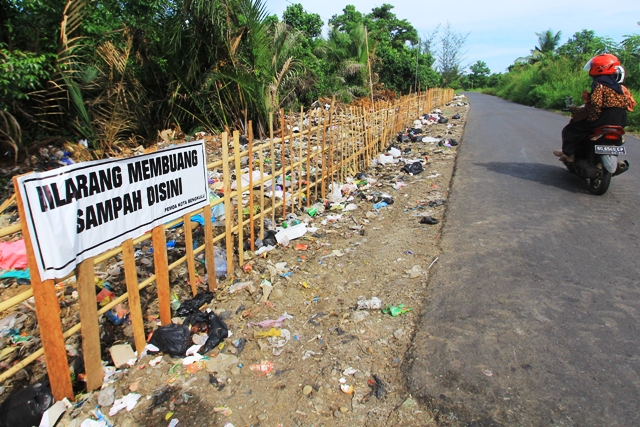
<point>113,71</point>
<point>450,55</point>
<point>552,77</point>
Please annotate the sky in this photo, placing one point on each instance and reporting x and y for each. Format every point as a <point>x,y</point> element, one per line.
<point>500,31</point>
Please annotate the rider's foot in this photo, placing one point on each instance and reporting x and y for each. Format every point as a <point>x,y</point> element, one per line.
<point>565,158</point>
<point>558,153</point>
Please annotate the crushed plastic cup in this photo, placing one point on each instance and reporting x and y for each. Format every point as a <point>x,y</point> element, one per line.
<point>263,368</point>
<point>396,310</point>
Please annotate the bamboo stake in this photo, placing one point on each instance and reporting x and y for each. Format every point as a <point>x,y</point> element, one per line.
<point>226,174</point>
<point>273,171</point>
<point>292,160</point>
<point>323,165</point>
<point>284,181</point>
<point>161,265</point>
<point>301,158</point>
<point>261,159</point>
<point>308,174</point>
<point>251,211</point>
<point>133,291</point>
<point>188,240</point>
<point>90,329</point>
<point>209,257</point>
<point>236,157</point>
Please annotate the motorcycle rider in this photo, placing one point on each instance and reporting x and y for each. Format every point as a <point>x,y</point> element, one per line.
<point>606,104</point>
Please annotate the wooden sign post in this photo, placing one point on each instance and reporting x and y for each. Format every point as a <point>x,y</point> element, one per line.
<point>48,314</point>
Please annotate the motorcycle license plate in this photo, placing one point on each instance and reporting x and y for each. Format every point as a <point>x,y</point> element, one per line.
<point>609,149</point>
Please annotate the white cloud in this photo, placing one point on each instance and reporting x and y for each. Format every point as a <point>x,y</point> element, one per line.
<point>500,30</point>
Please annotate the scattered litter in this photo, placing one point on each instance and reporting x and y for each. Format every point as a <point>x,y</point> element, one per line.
<point>53,414</point>
<point>396,310</point>
<point>377,387</point>
<point>127,402</point>
<point>415,272</point>
<point>171,339</point>
<point>25,407</point>
<point>193,305</point>
<point>429,220</point>
<point>123,354</point>
<point>413,168</point>
<point>263,368</point>
<point>371,304</point>
<point>221,363</point>
<point>270,323</point>
<point>13,255</point>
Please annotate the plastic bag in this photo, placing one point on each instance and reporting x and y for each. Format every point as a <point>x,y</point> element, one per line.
<point>413,168</point>
<point>217,329</point>
<point>220,261</point>
<point>270,238</point>
<point>191,306</point>
<point>25,407</point>
<point>172,339</point>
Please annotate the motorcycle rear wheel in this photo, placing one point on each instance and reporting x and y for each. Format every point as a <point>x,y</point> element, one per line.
<point>600,185</point>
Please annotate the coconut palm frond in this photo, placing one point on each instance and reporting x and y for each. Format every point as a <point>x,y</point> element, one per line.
<point>10,132</point>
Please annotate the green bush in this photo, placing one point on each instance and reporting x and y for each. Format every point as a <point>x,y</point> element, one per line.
<point>633,119</point>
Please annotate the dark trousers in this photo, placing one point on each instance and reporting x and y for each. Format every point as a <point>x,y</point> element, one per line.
<point>575,132</point>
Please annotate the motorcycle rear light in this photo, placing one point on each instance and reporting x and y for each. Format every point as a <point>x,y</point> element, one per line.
<point>612,136</point>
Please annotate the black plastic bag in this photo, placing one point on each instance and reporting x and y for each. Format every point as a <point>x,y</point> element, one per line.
<point>270,238</point>
<point>456,116</point>
<point>25,407</point>
<point>191,306</point>
<point>443,120</point>
<point>172,339</point>
<point>216,327</point>
<point>413,168</point>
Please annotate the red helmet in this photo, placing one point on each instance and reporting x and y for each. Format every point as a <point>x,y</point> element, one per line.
<point>602,65</point>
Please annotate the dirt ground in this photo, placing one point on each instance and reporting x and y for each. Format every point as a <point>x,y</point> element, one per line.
<point>340,365</point>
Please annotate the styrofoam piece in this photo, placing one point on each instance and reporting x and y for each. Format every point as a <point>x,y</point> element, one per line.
<point>430,139</point>
<point>245,179</point>
<point>292,233</point>
<point>383,160</point>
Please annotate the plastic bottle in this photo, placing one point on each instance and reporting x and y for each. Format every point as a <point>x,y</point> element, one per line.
<point>217,211</point>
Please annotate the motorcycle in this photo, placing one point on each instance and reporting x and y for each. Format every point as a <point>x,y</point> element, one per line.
<point>597,160</point>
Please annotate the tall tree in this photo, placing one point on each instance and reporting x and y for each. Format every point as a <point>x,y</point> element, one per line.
<point>547,41</point>
<point>309,23</point>
<point>450,55</point>
<point>585,43</point>
<point>479,74</point>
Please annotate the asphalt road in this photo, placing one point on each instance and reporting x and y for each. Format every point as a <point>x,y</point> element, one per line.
<point>533,310</point>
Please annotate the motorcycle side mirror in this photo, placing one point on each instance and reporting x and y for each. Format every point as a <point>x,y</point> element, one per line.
<point>568,102</point>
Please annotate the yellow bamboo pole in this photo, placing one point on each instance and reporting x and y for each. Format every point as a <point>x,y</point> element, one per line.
<point>236,158</point>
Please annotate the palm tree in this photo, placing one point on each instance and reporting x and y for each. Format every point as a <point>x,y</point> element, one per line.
<point>547,42</point>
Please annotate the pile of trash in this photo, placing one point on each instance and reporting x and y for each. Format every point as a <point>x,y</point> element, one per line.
<point>275,326</point>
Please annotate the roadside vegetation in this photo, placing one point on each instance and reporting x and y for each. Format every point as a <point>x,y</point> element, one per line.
<point>116,73</point>
<point>553,71</point>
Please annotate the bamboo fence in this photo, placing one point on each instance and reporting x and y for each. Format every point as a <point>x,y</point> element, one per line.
<point>261,182</point>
